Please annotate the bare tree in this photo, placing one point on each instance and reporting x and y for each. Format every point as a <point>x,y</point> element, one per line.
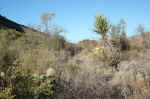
<point>123,37</point>
<point>115,36</point>
<point>45,20</point>
<point>123,25</point>
<point>140,30</point>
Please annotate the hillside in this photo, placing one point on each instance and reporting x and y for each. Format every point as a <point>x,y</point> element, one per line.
<point>6,23</point>
<point>139,39</point>
<point>35,64</point>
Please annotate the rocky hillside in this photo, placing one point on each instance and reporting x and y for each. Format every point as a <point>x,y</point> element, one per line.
<point>6,23</point>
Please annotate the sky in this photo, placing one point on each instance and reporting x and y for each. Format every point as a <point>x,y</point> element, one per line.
<point>77,16</point>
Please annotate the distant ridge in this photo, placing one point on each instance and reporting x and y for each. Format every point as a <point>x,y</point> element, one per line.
<point>6,23</point>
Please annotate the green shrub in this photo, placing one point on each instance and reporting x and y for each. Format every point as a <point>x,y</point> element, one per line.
<point>22,84</point>
<point>98,53</point>
<point>6,93</point>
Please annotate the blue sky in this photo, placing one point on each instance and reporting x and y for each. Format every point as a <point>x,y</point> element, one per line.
<point>77,16</point>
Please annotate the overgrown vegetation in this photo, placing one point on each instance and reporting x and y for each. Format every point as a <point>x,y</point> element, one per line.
<point>41,64</point>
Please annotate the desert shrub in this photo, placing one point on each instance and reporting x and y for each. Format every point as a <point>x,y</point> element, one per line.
<point>57,42</point>
<point>98,54</point>
<point>136,45</point>
<point>73,49</point>
<point>83,78</point>
<point>144,36</point>
<point>27,60</point>
<point>133,80</point>
<point>125,45</point>
<point>22,84</point>
<point>9,34</point>
<point>88,44</point>
<point>7,57</point>
<point>145,40</point>
<point>5,93</point>
<point>36,59</point>
<point>128,55</point>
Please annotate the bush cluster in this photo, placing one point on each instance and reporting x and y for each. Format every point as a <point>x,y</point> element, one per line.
<point>18,83</point>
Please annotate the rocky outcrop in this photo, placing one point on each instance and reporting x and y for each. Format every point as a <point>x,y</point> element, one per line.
<point>6,23</point>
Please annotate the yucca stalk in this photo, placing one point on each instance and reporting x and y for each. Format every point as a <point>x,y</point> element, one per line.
<point>101,26</point>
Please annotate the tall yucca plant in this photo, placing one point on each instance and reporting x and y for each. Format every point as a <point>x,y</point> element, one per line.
<point>101,25</point>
